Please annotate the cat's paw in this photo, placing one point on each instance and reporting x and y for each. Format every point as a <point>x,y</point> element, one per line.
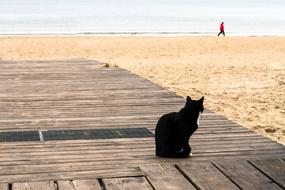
<point>190,155</point>
<point>180,150</point>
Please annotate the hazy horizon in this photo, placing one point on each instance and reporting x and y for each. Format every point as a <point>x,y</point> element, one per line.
<point>251,17</point>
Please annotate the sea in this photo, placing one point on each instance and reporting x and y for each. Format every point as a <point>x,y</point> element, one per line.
<point>178,17</point>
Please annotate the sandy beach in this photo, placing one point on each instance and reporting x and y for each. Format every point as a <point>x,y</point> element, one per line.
<point>242,78</point>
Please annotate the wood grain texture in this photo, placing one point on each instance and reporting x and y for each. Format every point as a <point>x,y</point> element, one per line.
<point>245,175</point>
<point>130,183</point>
<point>34,186</point>
<point>65,185</point>
<point>205,176</point>
<point>79,185</point>
<point>273,168</point>
<point>70,174</point>
<point>166,176</point>
<point>4,186</point>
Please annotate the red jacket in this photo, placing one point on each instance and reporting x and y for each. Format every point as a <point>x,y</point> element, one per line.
<point>222,27</point>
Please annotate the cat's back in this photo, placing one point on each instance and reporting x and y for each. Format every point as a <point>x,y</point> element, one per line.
<point>164,127</point>
<point>167,119</point>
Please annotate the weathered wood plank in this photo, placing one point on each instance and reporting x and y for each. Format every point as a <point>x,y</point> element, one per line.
<point>67,123</point>
<point>166,176</point>
<point>273,168</point>
<point>92,184</point>
<point>67,167</point>
<point>146,159</point>
<point>127,154</point>
<point>66,185</point>
<point>64,166</point>
<point>101,143</point>
<point>87,184</point>
<point>147,145</point>
<point>4,186</point>
<point>104,159</point>
<point>34,186</point>
<point>205,176</point>
<point>42,146</point>
<point>142,144</point>
<point>84,173</point>
<point>127,183</point>
<point>245,175</point>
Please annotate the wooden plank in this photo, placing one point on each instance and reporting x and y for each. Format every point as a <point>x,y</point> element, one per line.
<point>4,186</point>
<point>45,166</point>
<point>273,168</point>
<point>127,183</point>
<point>136,152</point>
<point>61,145</point>
<point>66,185</point>
<point>166,176</point>
<point>256,153</point>
<point>236,147</point>
<point>79,185</point>
<point>204,175</point>
<point>105,143</point>
<point>34,186</point>
<point>137,149</point>
<point>98,143</point>
<point>73,174</point>
<point>67,167</point>
<point>94,148</point>
<point>68,123</point>
<point>86,184</point>
<point>245,175</point>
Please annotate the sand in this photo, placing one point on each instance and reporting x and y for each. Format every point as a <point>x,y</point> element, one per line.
<point>242,78</point>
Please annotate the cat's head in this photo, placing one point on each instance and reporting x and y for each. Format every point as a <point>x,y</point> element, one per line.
<point>195,105</point>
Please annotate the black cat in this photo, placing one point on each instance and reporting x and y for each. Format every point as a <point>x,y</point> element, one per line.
<point>173,130</point>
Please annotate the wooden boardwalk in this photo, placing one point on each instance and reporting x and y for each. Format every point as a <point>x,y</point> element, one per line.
<point>79,94</point>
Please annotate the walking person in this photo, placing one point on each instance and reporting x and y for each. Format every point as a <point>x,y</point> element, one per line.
<point>222,29</point>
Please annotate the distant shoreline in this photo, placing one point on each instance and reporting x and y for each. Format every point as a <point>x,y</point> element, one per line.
<point>204,34</point>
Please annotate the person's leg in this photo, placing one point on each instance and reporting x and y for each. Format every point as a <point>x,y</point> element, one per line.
<point>224,33</point>
<point>220,33</point>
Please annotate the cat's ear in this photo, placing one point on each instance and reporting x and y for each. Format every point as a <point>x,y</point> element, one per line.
<point>188,100</point>
<point>201,100</point>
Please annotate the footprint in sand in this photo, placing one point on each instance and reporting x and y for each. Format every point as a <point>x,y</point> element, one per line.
<point>270,130</point>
